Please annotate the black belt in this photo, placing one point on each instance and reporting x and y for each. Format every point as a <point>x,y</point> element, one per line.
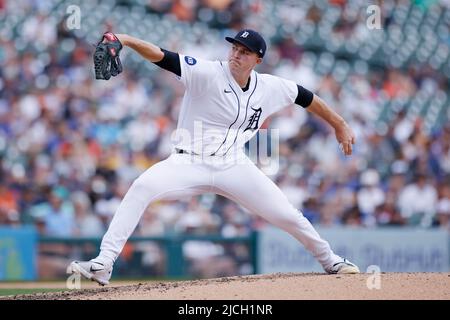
<point>181,151</point>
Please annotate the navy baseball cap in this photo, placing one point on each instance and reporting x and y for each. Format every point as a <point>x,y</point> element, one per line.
<point>250,39</point>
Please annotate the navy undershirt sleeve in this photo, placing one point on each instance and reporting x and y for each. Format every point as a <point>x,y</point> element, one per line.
<point>170,62</point>
<point>304,97</point>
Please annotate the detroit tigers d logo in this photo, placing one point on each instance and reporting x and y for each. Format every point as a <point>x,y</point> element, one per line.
<point>254,120</point>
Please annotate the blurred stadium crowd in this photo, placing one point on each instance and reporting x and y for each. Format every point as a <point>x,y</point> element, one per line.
<point>70,145</point>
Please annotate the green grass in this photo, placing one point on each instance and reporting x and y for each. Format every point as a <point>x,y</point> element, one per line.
<point>116,281</point>
<point>14,291</point>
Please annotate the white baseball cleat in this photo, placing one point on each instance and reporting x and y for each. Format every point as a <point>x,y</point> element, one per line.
<point>343,267</point>
<point>94,270</point>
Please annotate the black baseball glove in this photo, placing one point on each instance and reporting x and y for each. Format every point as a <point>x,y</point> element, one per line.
<point>106,57</point>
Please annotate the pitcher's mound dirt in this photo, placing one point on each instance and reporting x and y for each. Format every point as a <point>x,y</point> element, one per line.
<point>276,287</point>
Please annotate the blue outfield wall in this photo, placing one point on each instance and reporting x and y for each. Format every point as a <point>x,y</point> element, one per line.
<point>18,253</point>
<point>392,250</point>
<point>273,250</point>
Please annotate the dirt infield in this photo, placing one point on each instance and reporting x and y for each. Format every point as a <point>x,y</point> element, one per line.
<point>297,286</point>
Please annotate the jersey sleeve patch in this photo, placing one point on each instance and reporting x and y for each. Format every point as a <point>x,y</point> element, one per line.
<point>190,60</point>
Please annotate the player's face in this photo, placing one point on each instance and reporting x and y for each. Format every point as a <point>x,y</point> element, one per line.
<point>242,59</point>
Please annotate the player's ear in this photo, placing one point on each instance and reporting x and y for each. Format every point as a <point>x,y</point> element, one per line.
<point>259,60</point>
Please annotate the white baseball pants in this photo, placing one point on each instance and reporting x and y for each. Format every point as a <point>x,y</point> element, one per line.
<point>239,180</point>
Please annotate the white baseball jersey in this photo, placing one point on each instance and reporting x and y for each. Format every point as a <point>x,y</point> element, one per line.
<point>217,116</point>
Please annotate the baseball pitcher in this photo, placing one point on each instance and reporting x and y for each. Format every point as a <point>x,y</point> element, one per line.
<point>224,104</point>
